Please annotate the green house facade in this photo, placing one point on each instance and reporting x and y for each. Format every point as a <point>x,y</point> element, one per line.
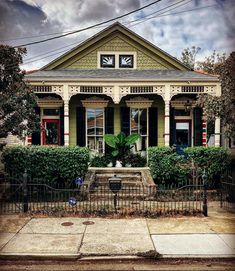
<point>117,81</point>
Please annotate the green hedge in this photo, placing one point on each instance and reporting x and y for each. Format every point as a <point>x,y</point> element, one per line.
<point>213,159</point>
<point>52,164</point>
<point>166,166</point>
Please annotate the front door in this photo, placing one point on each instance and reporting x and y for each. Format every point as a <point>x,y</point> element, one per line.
<point>182,135</point>
<point>51,132</point>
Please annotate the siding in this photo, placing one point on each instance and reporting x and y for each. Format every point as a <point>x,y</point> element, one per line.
<point>144,60</point>
<point>117,127</point>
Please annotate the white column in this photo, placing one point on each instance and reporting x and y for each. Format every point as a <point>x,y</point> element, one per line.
<point>167,123</point>
<point>66,122</point>
<point>217,132</point>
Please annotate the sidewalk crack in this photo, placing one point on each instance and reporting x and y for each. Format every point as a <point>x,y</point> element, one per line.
<point>14,235</point>
<point>81,243</point>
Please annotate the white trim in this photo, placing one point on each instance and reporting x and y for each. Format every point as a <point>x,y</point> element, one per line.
<point>116,55</point>
<point>95,136</point>
<point>147,128</point>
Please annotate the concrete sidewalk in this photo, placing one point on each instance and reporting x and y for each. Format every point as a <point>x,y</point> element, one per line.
<point>69,237</point>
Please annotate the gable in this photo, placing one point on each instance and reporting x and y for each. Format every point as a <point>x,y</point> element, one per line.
<point>116,39</point>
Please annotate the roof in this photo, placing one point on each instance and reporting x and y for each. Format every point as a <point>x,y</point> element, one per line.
<point>118,75</point>
<point>105,33</point>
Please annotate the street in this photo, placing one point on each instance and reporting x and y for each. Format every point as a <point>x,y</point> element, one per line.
<point>138,264</point>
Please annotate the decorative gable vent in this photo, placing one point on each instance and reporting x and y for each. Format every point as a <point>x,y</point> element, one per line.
<point>147,89</point>
<point>42,88</point>
<point>195,89</point>
<point>91,89</point>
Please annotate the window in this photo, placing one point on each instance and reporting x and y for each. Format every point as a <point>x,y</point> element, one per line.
<point>107,61</point>
<point>116,60</point>
<point>139,125</point>
<point>51,132</point>
<point>181,112</point>
<point>95,129</point>
<point>51,112</point>
<point>126,61</point>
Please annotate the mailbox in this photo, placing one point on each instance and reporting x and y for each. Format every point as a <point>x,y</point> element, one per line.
<point>115,184</point>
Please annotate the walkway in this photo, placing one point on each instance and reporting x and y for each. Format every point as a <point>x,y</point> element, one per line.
<point>212,236</point>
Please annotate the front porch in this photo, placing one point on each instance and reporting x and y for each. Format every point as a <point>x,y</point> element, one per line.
<point>163,113</point>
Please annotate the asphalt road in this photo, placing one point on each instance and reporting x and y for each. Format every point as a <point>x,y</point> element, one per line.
<point>114,265</point>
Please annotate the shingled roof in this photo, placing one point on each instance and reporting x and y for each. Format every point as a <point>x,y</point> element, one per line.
<point>119,75</point>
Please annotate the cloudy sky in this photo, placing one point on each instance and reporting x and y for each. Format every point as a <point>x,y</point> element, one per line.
<point>171,25</point>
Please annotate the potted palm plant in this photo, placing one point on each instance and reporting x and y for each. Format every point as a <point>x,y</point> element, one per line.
<point>121,145</point>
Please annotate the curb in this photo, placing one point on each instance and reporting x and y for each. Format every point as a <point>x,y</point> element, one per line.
<point>67,257</point>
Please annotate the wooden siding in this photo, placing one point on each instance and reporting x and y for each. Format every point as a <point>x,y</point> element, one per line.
<point>145,60</point>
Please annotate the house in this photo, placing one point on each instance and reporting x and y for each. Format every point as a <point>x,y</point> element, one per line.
<point>117,81</point>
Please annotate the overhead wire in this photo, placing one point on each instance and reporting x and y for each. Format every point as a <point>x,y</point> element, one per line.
<point>141,21</point>
<point>86,28</point>
<point>127,22</point>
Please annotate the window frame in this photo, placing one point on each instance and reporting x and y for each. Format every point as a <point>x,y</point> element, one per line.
<point>95,135</point>
<point>138,128</point>
<point>108,66</point>
<point>126,66</point>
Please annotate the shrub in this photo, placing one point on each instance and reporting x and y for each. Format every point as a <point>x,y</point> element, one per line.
<point>99,161</point>
<point>52,164</point>
<point>135,160</point>
<point>166,166</point>
<point>213,159</point>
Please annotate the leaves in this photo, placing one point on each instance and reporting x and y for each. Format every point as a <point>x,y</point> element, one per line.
<point>121,144</point>
<point>188,56</point>
<point>131,139</point>
<point>17,100</point>
<point>111,140</point>
<point>222,106</point>
<point>50,164</point>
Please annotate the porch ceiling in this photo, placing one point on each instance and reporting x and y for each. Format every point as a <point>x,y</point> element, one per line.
<point>119,75</point>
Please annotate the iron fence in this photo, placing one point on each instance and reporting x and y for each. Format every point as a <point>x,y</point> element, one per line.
<point>19,195</point>
<point>227,198</point>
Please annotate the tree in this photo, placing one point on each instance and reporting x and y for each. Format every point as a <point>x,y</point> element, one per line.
<point>188,56</point>
<point>211,63</point>
<point>17,100</point>
<point>223,106</point>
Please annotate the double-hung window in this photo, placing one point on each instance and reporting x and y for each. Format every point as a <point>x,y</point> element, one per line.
<point>95,129</point>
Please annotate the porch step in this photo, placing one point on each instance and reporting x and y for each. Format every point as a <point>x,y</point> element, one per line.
<point>132,179</point>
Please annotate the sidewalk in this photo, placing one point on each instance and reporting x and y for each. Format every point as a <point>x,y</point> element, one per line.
<point>184,237</point>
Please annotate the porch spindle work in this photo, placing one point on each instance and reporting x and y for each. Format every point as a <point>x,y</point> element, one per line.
<point>66,123</point>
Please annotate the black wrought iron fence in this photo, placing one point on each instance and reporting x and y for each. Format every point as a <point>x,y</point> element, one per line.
<point>20,195</point>
<point>227,199</point>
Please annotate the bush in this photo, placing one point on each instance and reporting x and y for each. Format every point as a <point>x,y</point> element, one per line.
<point>213,159</point>
<point>52,164</point>
<point>135,160</point>
<point>99,161</point>
<point>166,166</point>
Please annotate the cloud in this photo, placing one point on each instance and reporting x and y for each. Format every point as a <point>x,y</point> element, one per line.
<point>210,28</point>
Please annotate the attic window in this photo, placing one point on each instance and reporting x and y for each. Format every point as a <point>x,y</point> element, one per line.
<point>126,61</point>
<point>107,61</point>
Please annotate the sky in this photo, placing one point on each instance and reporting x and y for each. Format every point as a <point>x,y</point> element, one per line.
<point>208,24</point>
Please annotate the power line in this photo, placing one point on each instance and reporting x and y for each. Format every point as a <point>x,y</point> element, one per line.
<point>42,35</point>
<point>35,57</point>
<point>160,15</point>
<point>68,31</point>
<point>89,27</point>
<point>175,4</point>
<point>175,13</point>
